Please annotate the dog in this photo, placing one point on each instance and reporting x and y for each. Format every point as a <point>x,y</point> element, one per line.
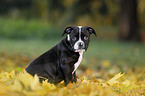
<point>60,62</point>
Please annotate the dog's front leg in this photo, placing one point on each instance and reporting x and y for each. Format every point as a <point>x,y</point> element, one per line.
<point>74,78</point>
<point>67,73</point>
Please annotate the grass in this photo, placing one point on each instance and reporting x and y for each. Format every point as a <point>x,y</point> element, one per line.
<point>25,47</point>
<point>116,53</point>
<point>30,38</point>
<point>119,54</point>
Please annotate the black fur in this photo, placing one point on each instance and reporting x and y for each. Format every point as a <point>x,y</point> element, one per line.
<point>56,64</point>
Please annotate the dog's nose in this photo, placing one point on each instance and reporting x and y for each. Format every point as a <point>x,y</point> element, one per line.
<point>81,45</point>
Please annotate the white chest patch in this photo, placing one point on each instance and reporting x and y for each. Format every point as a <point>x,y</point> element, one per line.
<point>76,65</point>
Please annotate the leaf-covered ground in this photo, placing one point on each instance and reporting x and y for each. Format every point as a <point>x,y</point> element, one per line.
<point>109,74</point>
<point>107,81</point>
<point>131,84</point>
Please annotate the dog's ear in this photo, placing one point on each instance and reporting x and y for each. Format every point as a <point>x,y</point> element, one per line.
<point>91,31</point>
<point>68,30</point>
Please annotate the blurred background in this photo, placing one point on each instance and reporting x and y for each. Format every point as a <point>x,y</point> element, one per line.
<point>28,28</point>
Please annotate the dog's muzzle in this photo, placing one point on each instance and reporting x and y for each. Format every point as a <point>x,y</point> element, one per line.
<point>79,46</point>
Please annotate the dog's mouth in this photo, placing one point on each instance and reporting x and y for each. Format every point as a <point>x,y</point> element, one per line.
<point>79,47</point>
<point>79,50</point>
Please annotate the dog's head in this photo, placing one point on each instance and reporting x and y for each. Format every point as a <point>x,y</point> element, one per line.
<point>79,37</point>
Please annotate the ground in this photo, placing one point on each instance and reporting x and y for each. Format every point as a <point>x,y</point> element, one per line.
<point>108,68</point>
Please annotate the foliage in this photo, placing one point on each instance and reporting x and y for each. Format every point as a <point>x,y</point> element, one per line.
<point>92,12</point>
<point>21,28</point>
<point>120,84</point>
<point>26,29</point>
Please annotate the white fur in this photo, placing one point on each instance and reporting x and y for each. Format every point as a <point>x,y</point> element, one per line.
<point>68,37</point>
<point>76,65</point>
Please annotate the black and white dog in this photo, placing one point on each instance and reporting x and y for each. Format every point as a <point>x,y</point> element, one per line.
<point>60,62</point>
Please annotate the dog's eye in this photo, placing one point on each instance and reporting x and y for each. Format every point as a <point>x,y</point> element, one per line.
<point>74,38</point>
<point>85,38</point>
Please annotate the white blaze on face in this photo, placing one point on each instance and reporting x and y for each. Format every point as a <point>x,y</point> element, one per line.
<point>76,46</point>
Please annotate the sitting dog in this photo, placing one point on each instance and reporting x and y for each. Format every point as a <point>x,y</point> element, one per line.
<point>60,62</point>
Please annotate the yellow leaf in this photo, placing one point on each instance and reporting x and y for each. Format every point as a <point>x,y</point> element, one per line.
<point>142,85</point>
<point>17,86</point>
<point>114,79</point>
<point>127,86</point>
<point>84,78</point>
<point>6,77</point>
<point>85,81</point>
<point>48,86</point>
<point>25,80</point>
<point>35,84</point>
<point>126,83</point>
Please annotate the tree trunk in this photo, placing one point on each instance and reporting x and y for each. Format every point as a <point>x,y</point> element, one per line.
<point>128,21</point>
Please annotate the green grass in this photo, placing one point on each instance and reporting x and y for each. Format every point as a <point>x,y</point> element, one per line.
<point>25,47</point>
<point>117,53</point>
